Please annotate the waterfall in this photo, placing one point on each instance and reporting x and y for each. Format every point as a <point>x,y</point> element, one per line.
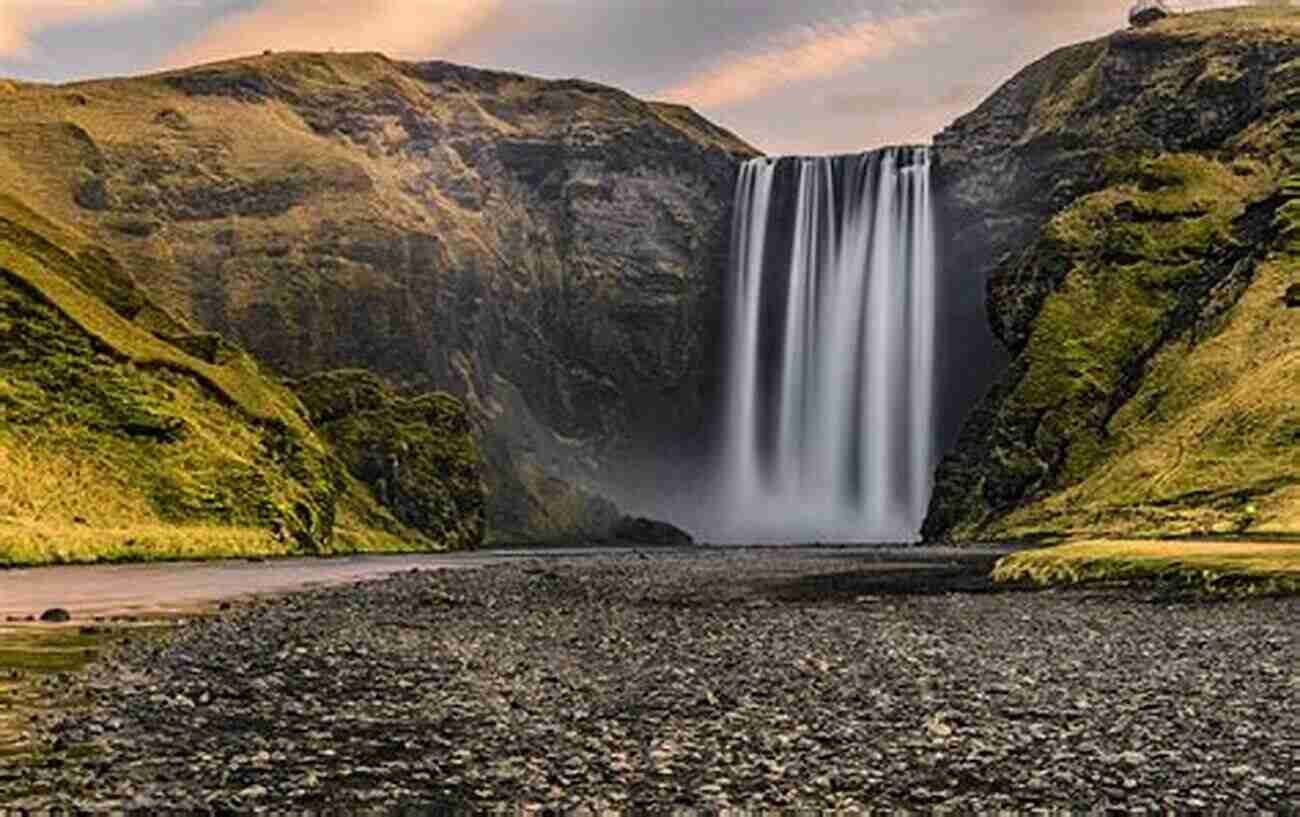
<point>831,355</point>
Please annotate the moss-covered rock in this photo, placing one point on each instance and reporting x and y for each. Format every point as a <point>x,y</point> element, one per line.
<point>418,455</point>
<point>1152,371</point>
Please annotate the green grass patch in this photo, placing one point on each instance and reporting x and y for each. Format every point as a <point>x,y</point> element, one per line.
<point>1151,396</point>
<point>256,396</point>
<point>418,455</point>
<point>1214,567</point>
<point>55,544</point>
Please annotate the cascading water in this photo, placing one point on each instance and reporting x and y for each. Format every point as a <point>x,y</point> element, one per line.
<point>830,399</point>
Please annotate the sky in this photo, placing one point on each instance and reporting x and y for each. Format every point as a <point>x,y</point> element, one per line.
<point>789,76</point>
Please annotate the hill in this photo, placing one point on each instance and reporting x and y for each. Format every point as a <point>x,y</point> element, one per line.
<point>1132,203</point>
<point>546,251</point>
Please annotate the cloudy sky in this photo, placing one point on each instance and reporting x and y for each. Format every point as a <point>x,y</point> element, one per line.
<point>791,76</point>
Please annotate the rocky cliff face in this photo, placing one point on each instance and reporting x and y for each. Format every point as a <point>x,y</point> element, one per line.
<point>1130,203</point>
<point>550,251</point>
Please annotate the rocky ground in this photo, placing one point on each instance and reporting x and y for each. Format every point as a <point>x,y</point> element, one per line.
<point>678,681</point>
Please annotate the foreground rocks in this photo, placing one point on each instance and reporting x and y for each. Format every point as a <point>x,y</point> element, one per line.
<point>646,683</point>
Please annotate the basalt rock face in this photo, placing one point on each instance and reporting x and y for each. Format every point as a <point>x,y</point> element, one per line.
<point>548,250</point>
<point>1130,203</point>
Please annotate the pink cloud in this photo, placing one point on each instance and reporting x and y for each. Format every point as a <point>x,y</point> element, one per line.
<point>808,53</point>
<point>404,28</point>
<point>20,19</point>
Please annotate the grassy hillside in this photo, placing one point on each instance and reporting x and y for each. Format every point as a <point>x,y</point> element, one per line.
<point>1156,361</point>
<point>125,437</point>
<point>1167,382</point>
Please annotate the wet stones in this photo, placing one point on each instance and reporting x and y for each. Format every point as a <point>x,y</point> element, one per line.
<point>692,680</point>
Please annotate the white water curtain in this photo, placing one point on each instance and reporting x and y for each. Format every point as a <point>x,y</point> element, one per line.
<point>830,415</point>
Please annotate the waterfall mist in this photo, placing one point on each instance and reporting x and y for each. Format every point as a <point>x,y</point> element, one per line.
<point>829,417</point>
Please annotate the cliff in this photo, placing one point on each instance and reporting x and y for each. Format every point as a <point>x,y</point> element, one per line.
<point>1131,203</point>
<point>549,252</point>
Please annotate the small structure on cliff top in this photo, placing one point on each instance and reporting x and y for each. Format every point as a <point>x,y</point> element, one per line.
<point>1146,12</point>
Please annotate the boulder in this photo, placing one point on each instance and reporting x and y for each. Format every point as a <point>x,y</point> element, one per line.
<point>642,531</point>
<point>56,615</point>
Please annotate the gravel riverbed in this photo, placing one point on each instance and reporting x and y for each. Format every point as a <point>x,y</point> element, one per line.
<point>679,681</point>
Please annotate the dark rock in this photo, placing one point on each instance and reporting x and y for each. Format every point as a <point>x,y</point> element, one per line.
<point>92,194</point>
<point>235,81</point>
<point>134,227</point>
<point>56,615</point>
<point>173,119</point>
<point>641,531</point>
<point>1292,297</point>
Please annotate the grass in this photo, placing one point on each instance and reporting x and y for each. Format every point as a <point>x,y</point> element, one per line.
<point>41,651</point>
<point>1234,22</point>
<point>1217,567</point>
<point>99,454</point>
<point>256,396</point>
<point>55,543</point>
<point>1208,442</point>
<point>116,445</point>
<point>38,483</point>
<point>418,455</point>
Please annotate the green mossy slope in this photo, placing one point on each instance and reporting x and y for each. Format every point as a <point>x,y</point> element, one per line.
<point>116,444</point>
<point>1208,439</point>
<point>1156,391</point>
<point>1144,243</point>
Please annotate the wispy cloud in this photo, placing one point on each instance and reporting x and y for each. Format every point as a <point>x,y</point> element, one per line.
<point>409,28</point>
<point>21,19</point>
<point>807,53</point>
